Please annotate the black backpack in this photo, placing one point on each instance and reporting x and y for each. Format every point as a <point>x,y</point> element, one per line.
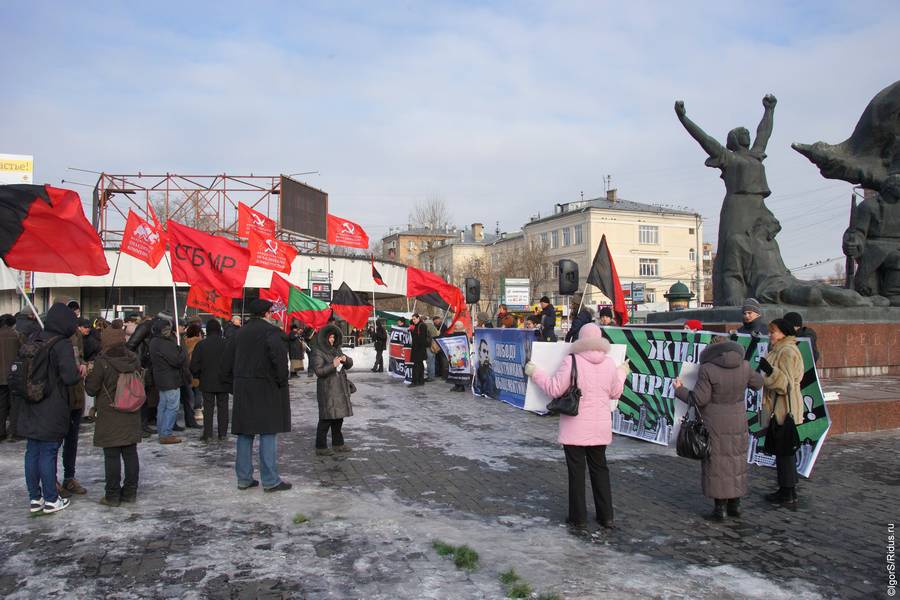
<point>29,374</point>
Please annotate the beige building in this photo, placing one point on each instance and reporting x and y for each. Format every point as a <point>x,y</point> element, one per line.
<point>406,245</point>
<point>460,256</point>
<point>650,245</point>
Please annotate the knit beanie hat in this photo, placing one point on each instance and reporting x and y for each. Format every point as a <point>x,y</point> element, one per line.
<point>751,304</point>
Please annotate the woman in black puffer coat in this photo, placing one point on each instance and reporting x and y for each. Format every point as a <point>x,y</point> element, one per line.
<point>333,390</point>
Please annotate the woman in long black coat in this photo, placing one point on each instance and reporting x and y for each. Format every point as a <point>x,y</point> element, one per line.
<point>333,389</point>
<point>419,349</point>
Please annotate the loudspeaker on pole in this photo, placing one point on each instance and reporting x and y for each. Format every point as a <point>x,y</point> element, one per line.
<point>568,277</point>
<point>473,290</point>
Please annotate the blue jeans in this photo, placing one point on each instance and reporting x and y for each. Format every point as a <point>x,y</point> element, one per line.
<point>70,445</point>
<point>430,363</point>
<point>167,411</point>
<point>40,469</point>
<point>268,459</point>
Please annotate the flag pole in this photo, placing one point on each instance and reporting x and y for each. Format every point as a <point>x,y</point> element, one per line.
<point>174,300</point>
<point>24,295</point>
<point>113,282</point>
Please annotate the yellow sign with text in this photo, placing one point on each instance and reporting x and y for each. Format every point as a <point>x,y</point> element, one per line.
<point>16,168</point>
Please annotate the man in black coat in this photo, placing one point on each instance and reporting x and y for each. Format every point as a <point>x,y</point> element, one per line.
<point>548,320</point>
<point>45,424</point>
<point>256,362</point>
<point>379,337</point>
<point>167,360</point>
<point>419,354</point>
<point>206,365</point>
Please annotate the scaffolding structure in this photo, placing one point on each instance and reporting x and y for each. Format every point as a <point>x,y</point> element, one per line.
<point>205,202</point>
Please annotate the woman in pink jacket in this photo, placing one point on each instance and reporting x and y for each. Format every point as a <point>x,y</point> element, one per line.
<point>586,435</point>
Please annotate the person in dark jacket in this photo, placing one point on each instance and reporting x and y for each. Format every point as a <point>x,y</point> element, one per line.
<point>379,337</point>
<point>584,316</point>
<point>256,362</point>
<point>45,424</point>
<point>167,360</point>
<point>548,320</point>
<point>605,317</point>
<point>139,343</point>
<point>206,365</point>
<point>332,391</point>
<point>309,339</point>
<point>719,393</point>
<point>10,341</point>
<point>295,349</point>
<point>26,323</point>
<point>753,323</point>
<point>231,328</point>
<point>796,321</point>
<point>419,335</point>
<point>118,433</point>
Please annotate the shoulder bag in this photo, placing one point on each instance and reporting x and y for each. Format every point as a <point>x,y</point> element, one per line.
<point>693,437</point>
<point>782,440</point>
<point>567,404</point>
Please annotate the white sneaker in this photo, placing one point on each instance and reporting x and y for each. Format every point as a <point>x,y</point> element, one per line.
<point>37,505</point>
<point>52,507</point>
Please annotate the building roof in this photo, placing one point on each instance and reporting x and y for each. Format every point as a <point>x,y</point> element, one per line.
<point>423,231</point>
<point>604,203</point>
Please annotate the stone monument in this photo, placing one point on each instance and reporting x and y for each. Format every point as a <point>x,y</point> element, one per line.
<point>748,261</point>
<point>870,157</point>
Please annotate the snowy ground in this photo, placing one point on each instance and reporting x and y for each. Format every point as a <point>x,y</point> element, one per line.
<point>373,516</point>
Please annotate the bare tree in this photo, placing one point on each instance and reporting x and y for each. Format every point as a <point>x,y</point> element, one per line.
<point>431,213</point>
<point>188,209</point>
<point>486,270</point>
<point>528,260</point>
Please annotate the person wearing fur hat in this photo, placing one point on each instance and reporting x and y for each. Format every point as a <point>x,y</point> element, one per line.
<point>586,435</point>
<point>605,317</point>
<point>256,362</point>
<point>751,314</point>
<point>782,371</point>
<point>722,383</point>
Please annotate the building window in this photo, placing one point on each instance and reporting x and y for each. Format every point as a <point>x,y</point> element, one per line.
<point>692,255</point>
<point>411,246</point>
<point>649,295</point>
<point>567,236</point>
<point>544,241</point>
<point>554,238</point>
<point>649,267</point>
<point>579,234</point>
<point>649,234</point>
<point>690,231</point>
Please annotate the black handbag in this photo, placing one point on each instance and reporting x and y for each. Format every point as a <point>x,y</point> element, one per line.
<point>693,437</point>
<point>567,404</point>
<point>782,440</point>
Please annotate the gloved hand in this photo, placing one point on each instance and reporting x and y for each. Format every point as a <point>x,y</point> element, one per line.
<point>529,368</point>
<point>764,366</point>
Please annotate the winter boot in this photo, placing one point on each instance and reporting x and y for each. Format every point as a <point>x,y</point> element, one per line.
<point>777,496</point>
<point>718,513</point>
<point>342,448</point>
<point>324,452</point>
<point>110,500</point>
<point>790,497</point>
<point>734,507</point>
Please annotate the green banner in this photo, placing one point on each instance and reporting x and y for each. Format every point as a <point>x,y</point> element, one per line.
<point>648,404</point>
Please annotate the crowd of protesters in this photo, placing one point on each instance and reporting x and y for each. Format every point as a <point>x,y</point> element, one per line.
<point>191,370</point>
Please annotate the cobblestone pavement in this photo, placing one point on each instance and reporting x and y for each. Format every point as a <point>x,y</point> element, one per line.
<point>428,464</point>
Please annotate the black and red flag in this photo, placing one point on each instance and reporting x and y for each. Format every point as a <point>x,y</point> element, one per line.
<point>43,228</point>
<point>604,276</point>
<point>376,275</point>
<point>351,307</point>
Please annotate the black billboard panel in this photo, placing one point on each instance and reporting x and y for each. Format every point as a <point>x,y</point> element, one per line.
<point>303,210</point>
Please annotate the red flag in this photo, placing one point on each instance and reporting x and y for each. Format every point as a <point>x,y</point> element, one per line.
<point>342,232</point>
<point>376,275</point>
<point>253,220</point>
<point>349,305</point>
<point>209,260</point>
<point>209,301</point>
<point>43,228</point>
<point>603,275</point>
<point>143,240</point>
<point>269,253</point>
<point>420,283</point>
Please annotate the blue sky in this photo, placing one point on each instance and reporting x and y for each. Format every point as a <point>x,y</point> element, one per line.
<point>503,109</point>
